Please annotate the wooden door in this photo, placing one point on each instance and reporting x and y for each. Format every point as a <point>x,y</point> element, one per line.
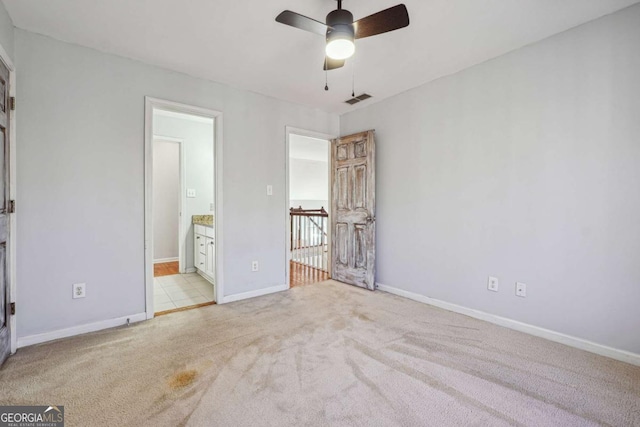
<point>5,300</point>
<point>353,244</point>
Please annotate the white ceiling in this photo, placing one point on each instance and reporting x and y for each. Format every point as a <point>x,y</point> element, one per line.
<point>239,43</point>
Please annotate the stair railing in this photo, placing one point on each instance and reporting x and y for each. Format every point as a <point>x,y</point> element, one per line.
<point>309,243</point>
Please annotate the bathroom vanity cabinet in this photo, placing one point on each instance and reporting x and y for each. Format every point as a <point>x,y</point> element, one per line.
<point>204,251</point>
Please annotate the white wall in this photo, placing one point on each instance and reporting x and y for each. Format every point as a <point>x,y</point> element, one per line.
<point>166,199</point>
<point>308,172</point>
<point>526,167</point>
<point>6,31</point>
<point>81,180</point>
<point>197,137</point>
<point>308,183</point>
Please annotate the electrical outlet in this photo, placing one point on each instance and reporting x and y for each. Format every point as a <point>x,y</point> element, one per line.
<point>191,192</point>
<point>492,284</point>
<point>521,289</point>
<point>269,190</point>
<point>255,266</point>
<point>79,290</point>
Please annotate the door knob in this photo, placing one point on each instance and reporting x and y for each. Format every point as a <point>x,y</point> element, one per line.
<point>370,219</point>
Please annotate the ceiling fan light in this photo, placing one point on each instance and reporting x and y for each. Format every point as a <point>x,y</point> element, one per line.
<point>340,48</point>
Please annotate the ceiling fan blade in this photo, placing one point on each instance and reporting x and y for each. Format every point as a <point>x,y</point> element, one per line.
<point>302,22</point>
<point>394,18</point>
<point>332,64</point>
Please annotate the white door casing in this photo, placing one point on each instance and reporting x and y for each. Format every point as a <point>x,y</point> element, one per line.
<point>289,131</point>
<point>5,211</point>
<point>150,105</point>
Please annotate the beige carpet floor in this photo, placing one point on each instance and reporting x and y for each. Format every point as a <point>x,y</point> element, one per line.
<point>322,354</point>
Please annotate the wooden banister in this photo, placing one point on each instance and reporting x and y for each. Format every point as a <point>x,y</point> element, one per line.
<point>309,236</point>
<point>308,212</point>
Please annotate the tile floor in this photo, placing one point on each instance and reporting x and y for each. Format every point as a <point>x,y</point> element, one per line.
<point>180,290</point>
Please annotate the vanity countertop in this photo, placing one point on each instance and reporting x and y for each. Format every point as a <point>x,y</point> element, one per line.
<point>206,220</point>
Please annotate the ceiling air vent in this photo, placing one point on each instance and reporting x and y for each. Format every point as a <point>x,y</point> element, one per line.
<point>358,99</point>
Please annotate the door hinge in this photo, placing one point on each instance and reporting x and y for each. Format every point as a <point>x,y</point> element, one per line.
<point>12,308</point>
<point>12,103</point>
<point>12,206</point>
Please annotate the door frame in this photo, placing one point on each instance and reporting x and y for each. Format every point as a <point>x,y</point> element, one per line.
<point>150,104</point>
<point>11,246</point>
<point>182,200</point>
<point>290,130</point>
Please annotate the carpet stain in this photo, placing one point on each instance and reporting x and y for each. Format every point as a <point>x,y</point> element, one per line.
<point>182,379</point>
<point>361,316</point>
<point>338,324</point>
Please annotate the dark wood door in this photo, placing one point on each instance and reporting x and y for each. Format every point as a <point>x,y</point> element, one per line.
<point>5,333</point>
<point>353,178</point>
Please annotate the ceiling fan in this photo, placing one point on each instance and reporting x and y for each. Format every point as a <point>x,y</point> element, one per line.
<point>341,31</point>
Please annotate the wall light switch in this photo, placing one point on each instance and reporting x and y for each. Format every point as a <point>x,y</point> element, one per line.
<point>269,190</point>
<point>521,289</point>
<point>191,192</point>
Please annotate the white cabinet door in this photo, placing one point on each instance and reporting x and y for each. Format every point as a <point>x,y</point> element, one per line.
<point>201,241</point>
<point>201,261</point>
<point>211,257</point>
<point>199,251</point>
<point>196,244</point>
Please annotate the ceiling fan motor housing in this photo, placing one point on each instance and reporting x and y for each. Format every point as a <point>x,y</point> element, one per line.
<point>341,31</point>
<point>340,25</point>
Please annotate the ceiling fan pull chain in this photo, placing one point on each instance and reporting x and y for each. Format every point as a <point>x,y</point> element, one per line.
<point>353,80</point>
<point>326,75</point>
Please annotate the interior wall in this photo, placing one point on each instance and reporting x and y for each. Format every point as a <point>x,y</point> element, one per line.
<point>308,172</point>
<point>6,32</point>
<point>524,167</point>
<point>80,167</point>
<point>166,199</point>
<point>308,183</point>
<point>197,137</point>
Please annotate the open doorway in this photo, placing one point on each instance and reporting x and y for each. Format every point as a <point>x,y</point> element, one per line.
<point>181,206</point>
<point>308,203</point>
<point>168,193</point>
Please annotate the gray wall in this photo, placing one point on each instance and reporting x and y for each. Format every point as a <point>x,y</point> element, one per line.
<point>80,180</point>
<point>308,183</point>
<point>526,167</point>
<point>166,199</point>
<point>199,169</point>
<point>6,31</point>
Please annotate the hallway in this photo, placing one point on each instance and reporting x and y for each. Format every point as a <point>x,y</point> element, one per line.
<point>300,274</point>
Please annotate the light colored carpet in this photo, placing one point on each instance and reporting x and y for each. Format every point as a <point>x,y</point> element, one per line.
<point>322,354</point>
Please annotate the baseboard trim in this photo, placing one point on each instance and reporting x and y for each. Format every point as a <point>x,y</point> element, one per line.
<point>191,270</point>
<point>205,276</point>
<point>582,344</point>
<point>163,260</point>
<point>78,330</point>
<point>256,293</point>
